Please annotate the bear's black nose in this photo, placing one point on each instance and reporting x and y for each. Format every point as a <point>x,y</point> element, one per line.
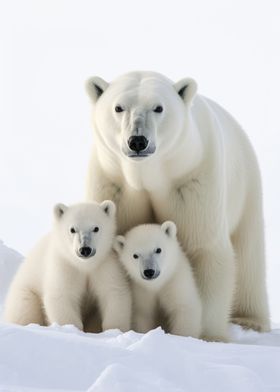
<point>149,273</point>
<point>137,143</point>
<point>85,251</point>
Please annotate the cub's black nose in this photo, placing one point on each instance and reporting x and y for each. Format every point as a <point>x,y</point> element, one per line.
<point>85,251</point>
<point>149,273</point>
<point>137,143</point>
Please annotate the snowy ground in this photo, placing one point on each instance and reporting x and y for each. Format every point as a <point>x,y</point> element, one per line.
<point>57,358</point>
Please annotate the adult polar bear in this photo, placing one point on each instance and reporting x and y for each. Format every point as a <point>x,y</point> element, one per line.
<point>162,152</point>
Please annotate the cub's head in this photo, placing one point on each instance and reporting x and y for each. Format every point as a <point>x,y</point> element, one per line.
<point>149,253</point>
<point>140,114</point>
<point>84,232</point>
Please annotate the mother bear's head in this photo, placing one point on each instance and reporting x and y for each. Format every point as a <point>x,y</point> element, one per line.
<point>140,114</point>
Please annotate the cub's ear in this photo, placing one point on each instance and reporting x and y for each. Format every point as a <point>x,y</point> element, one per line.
<point>187,89</point>
<point>119,243</point>
<point>95,87</point>
<point>169,228</point>
<point>109,208</point>
<point>59,210</point>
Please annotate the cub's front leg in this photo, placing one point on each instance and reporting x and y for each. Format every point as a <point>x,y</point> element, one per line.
<point>144,310</point>
<point>181,302</point>
<point>62,298</point>
<point>114,296</point>
<point>63,309</point>
<point>23,306</point>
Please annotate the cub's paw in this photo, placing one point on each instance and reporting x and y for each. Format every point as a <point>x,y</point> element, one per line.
<point>252,323</point>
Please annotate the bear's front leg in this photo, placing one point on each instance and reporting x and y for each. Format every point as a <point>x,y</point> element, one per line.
<point>215,275</point>
<point>63,309</point>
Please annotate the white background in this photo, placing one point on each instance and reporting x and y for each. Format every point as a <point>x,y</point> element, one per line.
<point>48,49</point>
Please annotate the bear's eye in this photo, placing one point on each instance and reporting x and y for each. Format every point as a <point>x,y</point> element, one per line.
<point>72,230</point>
<point>158,250</point>
<point>135,256</point>
<point>158,109</point>
<point>118,109</point>
<point>96,229</point>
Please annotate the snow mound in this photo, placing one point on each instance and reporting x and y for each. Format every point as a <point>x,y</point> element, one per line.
<point>9,263</point>
<point>65,359</point>
<point>55,358</point>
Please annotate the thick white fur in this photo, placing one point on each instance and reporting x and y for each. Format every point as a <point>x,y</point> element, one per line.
<point>203,175</point>
<point>55,285</point>
<point>173,291</point>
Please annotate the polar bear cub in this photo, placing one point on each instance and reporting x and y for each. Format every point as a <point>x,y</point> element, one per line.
<point>72,271</point>
<point>161,278</point>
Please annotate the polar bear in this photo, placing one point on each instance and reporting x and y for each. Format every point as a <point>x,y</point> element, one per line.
<point>161,278</point>
<point>72,274</point>
<point>163,152</point>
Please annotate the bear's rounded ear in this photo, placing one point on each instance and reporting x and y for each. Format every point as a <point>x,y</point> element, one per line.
<point>169,228</point>
<point>187,89</point>
<point>95,87</point>
<point>108,207</point>
<point>119,243</point>
<point>59,210</point>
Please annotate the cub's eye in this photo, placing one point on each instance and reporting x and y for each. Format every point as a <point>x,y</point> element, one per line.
<point>72,230</point>
<point>158,250</point>
<point>135,256</point>
<point>118,109</point>
<point>158,109</point>
<point>96,229</point>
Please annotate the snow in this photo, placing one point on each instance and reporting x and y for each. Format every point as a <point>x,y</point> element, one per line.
<point>55,358</point>
<point>63,358</point>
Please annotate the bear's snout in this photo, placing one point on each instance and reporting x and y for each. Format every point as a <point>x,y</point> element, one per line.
<point>137,143</point>
<point>149,273</point>
<point>86,251</point>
